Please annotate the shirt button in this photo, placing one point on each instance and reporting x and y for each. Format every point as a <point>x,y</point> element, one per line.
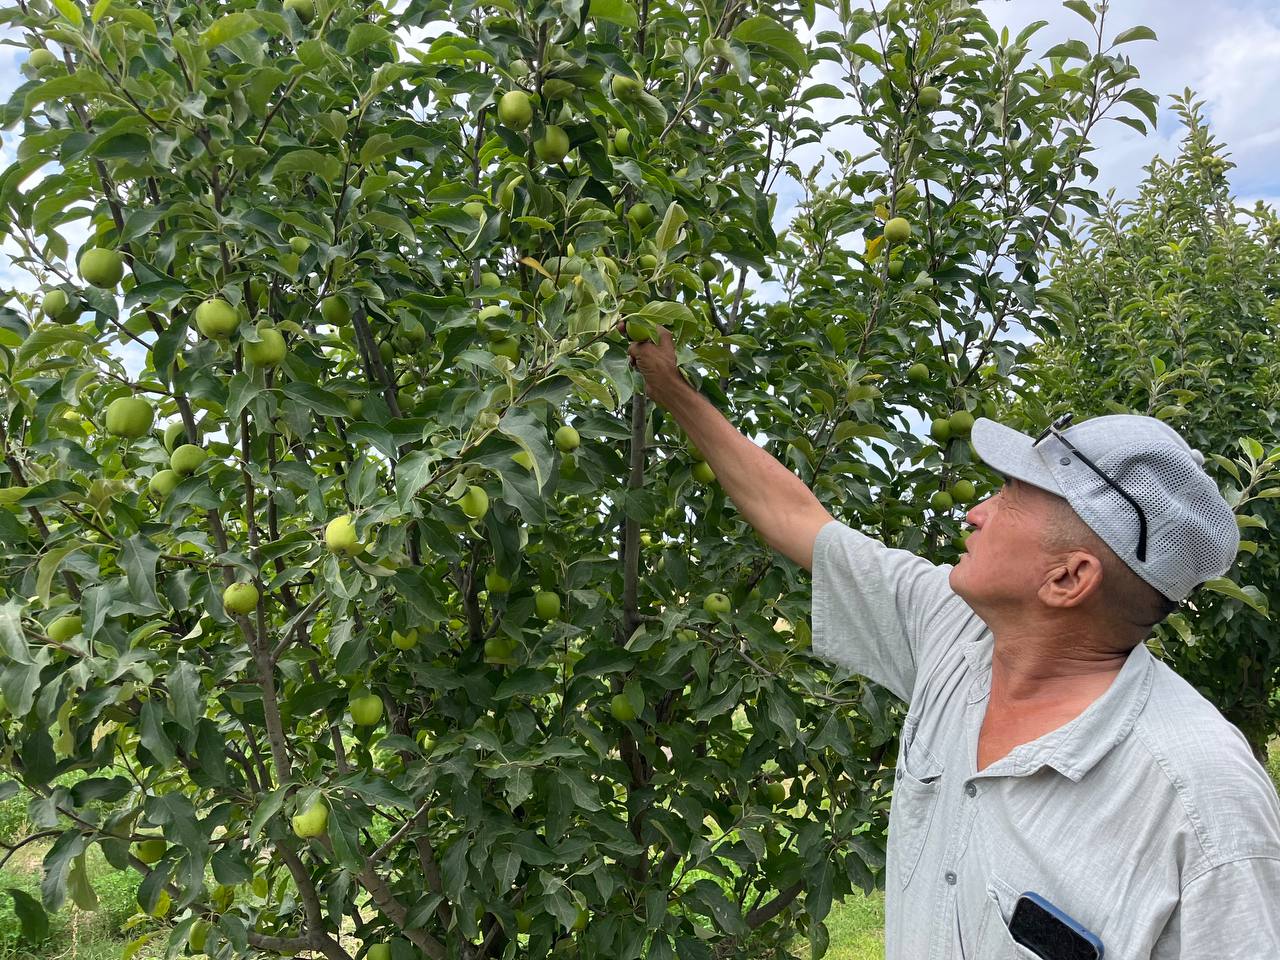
<point>951,877</point>
<point>970,789</point>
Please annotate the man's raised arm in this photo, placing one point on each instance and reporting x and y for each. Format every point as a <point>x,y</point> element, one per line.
<point>773,500</point>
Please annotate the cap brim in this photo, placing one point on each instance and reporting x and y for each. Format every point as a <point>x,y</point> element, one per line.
<point>1011,453</point>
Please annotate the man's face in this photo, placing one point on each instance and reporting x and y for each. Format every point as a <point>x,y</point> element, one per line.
<point>1003,565</point>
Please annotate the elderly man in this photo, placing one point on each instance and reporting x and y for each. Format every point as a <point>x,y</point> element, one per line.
<point>1045,751</point>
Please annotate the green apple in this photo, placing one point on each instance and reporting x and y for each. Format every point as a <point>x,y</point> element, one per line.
<point>163,482</point>
<point>216,318</point>
<point>775,792</point>
<point>240,598</point>
<point>490,279</point>
<point>172,433</point>
<point>553,145</point>
<point>647,261</point>
<point>379,951</point>
<point>918,374</point>
<point>299,245</point>
<point>198,935</point>
<point>546,603</point>
<point>150,851</point>
<point>627,89</point>
<point>366,710</point>
<point>498,650</point>
<point>641,214</point>
<point>495,582</point>
<point>895,269</point>
<point>41,59</point>
<point>474,502</point>
<point>304,10</point>
<point>567,439</point>
<point>716,604</point>
<point>186,459</point>
<point>507,347</point>
<point>941,501</point>
<point>404,641</point>
<point>64,628</point>
<point>961,423</point>
<point>963,491</point>
<point>340,535</point>
<point>57,306</point>
<point>129,417</point>
<point>335,310</point>
<point>702,472</point>
<point>621,708</point>
<point>101,267</point>
<point>268,351</point>
<point>622,142</point>
<point>515,110</point>
<point>311,822</point>
<point>897,231</point>
<point>709,270</point>
<point>929,97</point>
<point>940,429</point>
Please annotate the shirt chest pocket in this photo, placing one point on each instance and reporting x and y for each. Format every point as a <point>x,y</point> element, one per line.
<point>995,942</point>
<point>916,786</point>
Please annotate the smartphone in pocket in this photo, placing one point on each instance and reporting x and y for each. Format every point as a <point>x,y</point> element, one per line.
<point>1049,933</point>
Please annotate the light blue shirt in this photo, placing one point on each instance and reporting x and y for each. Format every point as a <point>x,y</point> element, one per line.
<point>1146,818</point>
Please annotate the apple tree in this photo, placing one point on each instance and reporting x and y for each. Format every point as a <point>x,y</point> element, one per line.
<point>347,567</point>
<point>1166,306</point>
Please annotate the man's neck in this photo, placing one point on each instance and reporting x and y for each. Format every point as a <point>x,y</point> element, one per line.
<point>1030,672</point>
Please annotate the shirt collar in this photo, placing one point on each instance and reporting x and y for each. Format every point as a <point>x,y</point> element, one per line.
<point>1074,748</point>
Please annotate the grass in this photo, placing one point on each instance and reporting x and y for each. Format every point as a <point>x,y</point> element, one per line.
<point>855,925</point>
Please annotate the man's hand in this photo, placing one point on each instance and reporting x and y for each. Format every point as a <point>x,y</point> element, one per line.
<point>656,361</point>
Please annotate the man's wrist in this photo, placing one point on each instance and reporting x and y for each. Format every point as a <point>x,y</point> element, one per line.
<point>669,388</point>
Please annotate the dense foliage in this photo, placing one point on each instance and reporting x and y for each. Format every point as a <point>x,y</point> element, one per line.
<point>1166,305</point>
<point>343,557</point>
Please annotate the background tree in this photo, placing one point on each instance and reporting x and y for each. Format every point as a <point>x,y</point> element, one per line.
<point>376,608</point>
<point>1165,305</point>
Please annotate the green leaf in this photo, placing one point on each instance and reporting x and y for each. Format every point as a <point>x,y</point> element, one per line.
<point>186,694</point>
<point>530,434</point>
<point>768,33</point>
<point>364,35</point>
<point>79,887</point>
<point>1082,8</point>
<point>57,865</point>
<point>267,809</point>
<point>139,558</point>
<point>412,474</point>
<point>309,162</point>
<point>228,28</point>
<point>1251,596</point>
<point>620,12</point>
<point>31,915</point>
<point>669,231</point>
<point>321,401</point>
<point>70,11</point>
<point>717,906</point>
<point>1134,33</point>
<point>48,567</point>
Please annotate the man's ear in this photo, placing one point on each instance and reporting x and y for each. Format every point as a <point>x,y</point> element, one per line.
<point>1073,580</point>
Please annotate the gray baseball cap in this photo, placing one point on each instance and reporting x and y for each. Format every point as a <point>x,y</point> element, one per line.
<point>1191,531</point>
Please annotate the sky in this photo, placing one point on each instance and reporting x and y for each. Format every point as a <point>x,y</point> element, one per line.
<point>1228,52</point>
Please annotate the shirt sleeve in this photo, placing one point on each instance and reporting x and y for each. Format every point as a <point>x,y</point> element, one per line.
<point>1228,913</point>
<point>872,604</point>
